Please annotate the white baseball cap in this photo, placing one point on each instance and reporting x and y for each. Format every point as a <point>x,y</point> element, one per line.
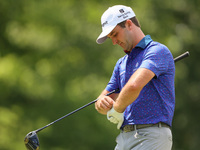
<point>111,17</point>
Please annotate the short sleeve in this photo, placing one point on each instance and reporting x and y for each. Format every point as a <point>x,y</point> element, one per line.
<point>157,59</point>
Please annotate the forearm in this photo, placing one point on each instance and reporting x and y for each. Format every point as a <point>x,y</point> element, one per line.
<point>127,96</point>
<point>132,89</point>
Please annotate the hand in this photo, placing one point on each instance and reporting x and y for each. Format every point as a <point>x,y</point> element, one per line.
<point>115,117</point>
<point>104,104</point>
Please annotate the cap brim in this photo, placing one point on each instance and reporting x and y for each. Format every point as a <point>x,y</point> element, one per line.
<point>103,36</point>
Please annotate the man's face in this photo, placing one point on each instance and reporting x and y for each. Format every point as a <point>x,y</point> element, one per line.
<point>122,37</point>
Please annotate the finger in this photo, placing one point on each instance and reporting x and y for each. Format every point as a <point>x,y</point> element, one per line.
<point>100,105</point>
<point>113,120</point>
<point>119,124</point>
<point>109,100</point>
<point>106,103</point>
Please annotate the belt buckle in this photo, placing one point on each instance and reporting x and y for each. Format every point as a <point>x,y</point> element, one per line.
<point>129,128</point>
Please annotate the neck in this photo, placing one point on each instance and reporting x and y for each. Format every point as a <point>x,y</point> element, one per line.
<point>138,35</point>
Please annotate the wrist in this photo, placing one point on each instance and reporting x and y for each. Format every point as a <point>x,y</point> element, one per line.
<point>118,109</point>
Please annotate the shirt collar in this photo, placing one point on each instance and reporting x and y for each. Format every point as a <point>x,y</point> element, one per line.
<point>144,42</point>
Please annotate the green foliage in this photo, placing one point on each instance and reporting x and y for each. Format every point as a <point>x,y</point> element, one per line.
<point>50,65</point>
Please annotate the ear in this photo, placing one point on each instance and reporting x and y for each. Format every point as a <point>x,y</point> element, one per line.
<point>129,24</point>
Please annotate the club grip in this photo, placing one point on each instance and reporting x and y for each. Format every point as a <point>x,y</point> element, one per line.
<point>114,91</point>
<point>186,54</point>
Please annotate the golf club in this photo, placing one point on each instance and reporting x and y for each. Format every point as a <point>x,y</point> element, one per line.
<point>31,140</point>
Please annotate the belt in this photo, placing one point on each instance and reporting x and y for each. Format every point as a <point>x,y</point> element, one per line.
<point>128,128</point>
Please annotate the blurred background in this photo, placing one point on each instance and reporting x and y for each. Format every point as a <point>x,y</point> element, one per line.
<point>50,65</point>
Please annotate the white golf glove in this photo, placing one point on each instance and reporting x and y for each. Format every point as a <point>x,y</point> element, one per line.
<point>115,117</point>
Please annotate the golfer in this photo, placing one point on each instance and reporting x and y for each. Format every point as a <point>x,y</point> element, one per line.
<point>143,109</point>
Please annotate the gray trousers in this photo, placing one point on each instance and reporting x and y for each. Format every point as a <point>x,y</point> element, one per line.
<point>151,138</point>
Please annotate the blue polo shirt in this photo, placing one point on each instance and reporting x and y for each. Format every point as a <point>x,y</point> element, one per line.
<point>156,101</point>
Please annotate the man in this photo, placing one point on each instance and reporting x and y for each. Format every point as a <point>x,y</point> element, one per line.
<point>144,107</point>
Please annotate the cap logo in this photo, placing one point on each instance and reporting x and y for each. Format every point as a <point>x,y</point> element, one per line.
<point>106,22</point>
<point>121,11</point>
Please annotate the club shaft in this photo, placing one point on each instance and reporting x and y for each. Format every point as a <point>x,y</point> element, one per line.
<point>38,130</point>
